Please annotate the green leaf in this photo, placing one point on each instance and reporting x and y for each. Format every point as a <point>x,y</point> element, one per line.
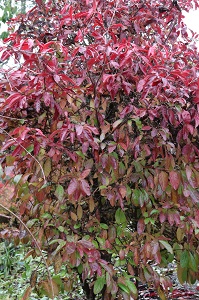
<point>79,153</point>
<point>30,148</point>
<point>77,225</point>
<point>123,287</point>
<point>167,246</point>
<point>120,217</point>
<point>101,241</point>
<point>95,243</point>
<point>102,187</point>
<point>131,286</point>
<point>118,242</point>
<point>30,223</point>
<point>58,280</point>
<point>99,284</point>
<point>138,123</point>
<point>145,196</point>
<point>154,211</point>
<point>59,241</point>
<point>122,168</point>
<point>61,228</point>
<point>80,269</point>
<point>184,274</point>
<point>59,192</point>
<point>140,197</point>
<point>46,216</point>
<point>120,230</point>
<point>47,167</point>
<point>184,259</point>
<point>192,262</point>
<point>103,226</point>
<point>62,243</point>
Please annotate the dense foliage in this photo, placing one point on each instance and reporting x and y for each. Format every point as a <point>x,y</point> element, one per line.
<point>99,134</point>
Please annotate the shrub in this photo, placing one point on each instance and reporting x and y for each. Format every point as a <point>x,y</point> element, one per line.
<point>99,133</point>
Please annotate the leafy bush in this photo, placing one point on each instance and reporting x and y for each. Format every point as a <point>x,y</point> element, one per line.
<point>99,133</point>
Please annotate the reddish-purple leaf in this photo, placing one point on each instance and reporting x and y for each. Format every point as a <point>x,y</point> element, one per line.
<point>48,98</point>
<point>155,246</point>
<point>186,116</point>
<point>188,172</point>
<point>140,226</point>
<point>79,129</point>
<point>86,244</point>
<point>171,218</point>
<point>194,194</point>
<point>163,180</point>
<point>85,187</point>
<point>73,185</point>
<point>162,217</point>
<point>70,247</point>
<point>56,78</point>
<point>174,178</point>
<point>140,85</point>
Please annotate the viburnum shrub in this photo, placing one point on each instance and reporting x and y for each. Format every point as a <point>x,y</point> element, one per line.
<point>99,117</point>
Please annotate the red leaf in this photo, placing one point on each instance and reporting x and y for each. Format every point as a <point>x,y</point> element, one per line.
<point>79,129</point>
<point>162,217</point>
<point>163,180</point>
<point>174,178</point>
<point>155,247</point>
<point>73,185</point>
<point>79,37</point>
<point>27,44</point>
<point>196,120</point>
<point>66,79</point>
<point>70,247</point>
<point>128,109</point>
<point>85,173</point>
<point>56,78</point>
<point>73,156</point>
<point>86,244</point>
<point>39,2</point>
<point>171,218</point>
<point>140,85</point>
<point>122,190</point>
<point>14,99</point>
<point>85,187</point>
<point>194,194</point>
<point>186,116</point>
<point>152,51</point>
<point>47,98</point>
<point>188,172</point>
<point>140,226</point>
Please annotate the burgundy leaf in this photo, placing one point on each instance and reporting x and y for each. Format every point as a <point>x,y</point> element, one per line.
<point>73,185</point>
<point>85,187</point>
<point>163,180</point>
<point>140,226</point>
<point>174,178</point>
